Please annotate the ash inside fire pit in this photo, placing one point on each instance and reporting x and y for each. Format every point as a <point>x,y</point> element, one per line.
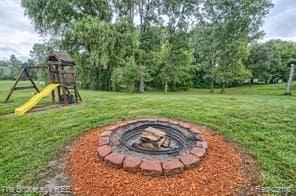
<point>160,144</point>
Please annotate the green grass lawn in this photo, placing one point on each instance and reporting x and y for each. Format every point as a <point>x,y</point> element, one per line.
<point>260,119</point>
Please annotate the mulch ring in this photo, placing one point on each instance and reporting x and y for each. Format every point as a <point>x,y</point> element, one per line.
<point>225,170</point>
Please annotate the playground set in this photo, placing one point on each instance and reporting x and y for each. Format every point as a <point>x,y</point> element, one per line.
<point>61,77</point>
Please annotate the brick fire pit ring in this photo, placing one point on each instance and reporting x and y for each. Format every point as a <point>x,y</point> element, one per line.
<point>113,153</point>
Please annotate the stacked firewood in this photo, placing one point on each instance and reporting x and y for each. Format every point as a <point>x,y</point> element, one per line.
<point>153,138</point>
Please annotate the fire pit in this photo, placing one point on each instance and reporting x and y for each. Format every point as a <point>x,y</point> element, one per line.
<point>154,147</point>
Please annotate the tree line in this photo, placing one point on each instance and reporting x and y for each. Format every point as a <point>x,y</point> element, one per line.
<point>136,45</point>
<point>9,69</point>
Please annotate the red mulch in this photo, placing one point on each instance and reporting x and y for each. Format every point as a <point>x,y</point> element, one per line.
<point>219,173</point>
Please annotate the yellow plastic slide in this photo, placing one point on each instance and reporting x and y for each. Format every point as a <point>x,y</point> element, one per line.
<point>35,99</point>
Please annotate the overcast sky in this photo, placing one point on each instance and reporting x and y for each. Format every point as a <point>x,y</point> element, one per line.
<point>17,34</point>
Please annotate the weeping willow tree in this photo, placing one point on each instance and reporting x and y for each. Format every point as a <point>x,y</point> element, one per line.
<point>101,47</point>
<point>94,41</point>
<point>83,28</point>
<point>54,17</point>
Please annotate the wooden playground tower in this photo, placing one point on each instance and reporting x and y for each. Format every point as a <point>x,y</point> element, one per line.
<point>60,71</point>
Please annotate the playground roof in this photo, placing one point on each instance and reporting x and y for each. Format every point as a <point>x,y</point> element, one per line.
<point>62,57</point>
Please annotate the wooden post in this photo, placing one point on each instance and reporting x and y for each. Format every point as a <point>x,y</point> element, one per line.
<point>59,95</point>
<point>290,81</point>
<point>31,80</point>
<point>65,96</point>
<point>14,87</point>
<point>77,94</point>
<point>63,85</point>
<point>53,96</point>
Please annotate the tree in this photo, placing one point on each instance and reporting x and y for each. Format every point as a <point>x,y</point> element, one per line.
<point>263,62</point>
<point>56,16</point>
<point>3,67</point>
<point>165,65</point>
<point>287,52</point>
<point>130,74</point>
<point>14,66</point>
<point>176,54</point>
<point>176,67</point>
<point>100,48</point>
<point>206,53</point>
<point>235,24</point>
<point>126,75</point>
<point>92,41</point>
<point>38,56</point>
<point>269,61</point>
<point>125,52</point>
<point>147,10</point>
<point>39,53</point>
<point>149,45</point>
<point>3,63</point>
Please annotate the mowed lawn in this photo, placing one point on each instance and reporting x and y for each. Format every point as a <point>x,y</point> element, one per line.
<point>260,119</point>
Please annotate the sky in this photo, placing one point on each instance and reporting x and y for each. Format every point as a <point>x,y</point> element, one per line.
<point>17,34</point>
